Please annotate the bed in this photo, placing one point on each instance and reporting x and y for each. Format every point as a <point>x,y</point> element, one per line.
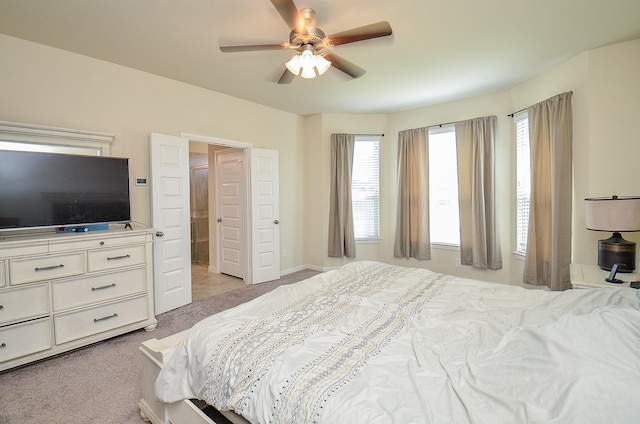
<point>377,343</point>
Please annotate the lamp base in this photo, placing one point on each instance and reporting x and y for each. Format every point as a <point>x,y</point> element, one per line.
<point>616,250</point>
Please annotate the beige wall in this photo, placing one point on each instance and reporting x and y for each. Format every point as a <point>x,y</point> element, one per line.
<point>569,76</point>
<point>46,86</point>
<point>614,136</point>
<point>606,146</point>
<point>390,124</point>
<point>498,104</point>
<point>318,167</point>
<point>606,100</point>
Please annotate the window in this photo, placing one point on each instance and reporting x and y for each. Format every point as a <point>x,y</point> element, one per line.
<point>38,138</point>
<point>365,188</point>
<point>523,180</point>
<point>444,208</point>
<point>50,148</point>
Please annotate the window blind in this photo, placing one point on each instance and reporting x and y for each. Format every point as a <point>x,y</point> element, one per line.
<point>365,187</point>
<point>444,205</point>
<point>523,180</point>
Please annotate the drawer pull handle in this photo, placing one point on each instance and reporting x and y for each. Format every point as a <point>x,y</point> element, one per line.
<point>103,318</point>
<point>103,287</point>
<point>3,345</point>
<point>111,258</point>
<point>46,268</point>
<point>1,307</point>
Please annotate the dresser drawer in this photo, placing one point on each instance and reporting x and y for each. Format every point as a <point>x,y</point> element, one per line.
<point>85,291</point>
<point>80,242</point>
<point>3,277</point>
<point>11,249</point>
<point>24,303</point>
<point>41,268</point>
<point>75,325</point>
<point>24,339</point>
<point>106,259</point>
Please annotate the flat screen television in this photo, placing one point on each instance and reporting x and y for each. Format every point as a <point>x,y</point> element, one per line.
<point>62,190</point>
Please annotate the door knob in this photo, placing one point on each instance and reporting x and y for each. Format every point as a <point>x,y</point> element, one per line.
<point>219,220</point>
<point>159,234</point>
<point>276,222</point>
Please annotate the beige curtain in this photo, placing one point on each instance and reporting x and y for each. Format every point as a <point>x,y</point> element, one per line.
<point>341,234</point>
<point>479,234</point>
<point>412,224</point>
<point>548,257</point>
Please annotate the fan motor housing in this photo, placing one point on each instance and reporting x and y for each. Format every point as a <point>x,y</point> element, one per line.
<point>313,36</point>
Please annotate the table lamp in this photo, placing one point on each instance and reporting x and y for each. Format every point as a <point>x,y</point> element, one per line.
<point>617,215</point>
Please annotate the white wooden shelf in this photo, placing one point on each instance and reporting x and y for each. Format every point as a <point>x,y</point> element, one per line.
<point>591,276</point>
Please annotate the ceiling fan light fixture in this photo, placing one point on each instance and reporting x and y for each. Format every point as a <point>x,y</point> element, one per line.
<point>308,65</point>
<point>308,72</point>
<point>294,66</point>
<point>315,57</point>
<point>322,64</point>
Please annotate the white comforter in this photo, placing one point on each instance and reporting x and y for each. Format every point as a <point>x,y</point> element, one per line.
<point>374,343</point>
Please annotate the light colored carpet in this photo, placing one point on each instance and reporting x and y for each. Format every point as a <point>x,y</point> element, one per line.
<point>103,383</point>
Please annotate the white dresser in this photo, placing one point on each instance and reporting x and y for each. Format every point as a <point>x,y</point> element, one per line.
<point>62,291</point>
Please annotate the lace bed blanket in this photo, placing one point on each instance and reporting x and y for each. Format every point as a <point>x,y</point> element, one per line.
<point>247,355</point>
<point>376,343</point>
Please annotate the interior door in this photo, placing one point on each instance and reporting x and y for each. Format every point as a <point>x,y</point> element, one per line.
<point>231,220</point>
<point>265,212</point>
<point>170,217</point>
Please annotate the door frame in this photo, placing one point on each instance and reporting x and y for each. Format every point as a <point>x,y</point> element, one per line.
<point>246,150</point>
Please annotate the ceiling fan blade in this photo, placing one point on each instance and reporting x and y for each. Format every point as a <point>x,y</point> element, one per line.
<point>289,12</point>
<point>286,77</point>
<point>351,69</point>
<point>379,29</point>
<point>253,48</point>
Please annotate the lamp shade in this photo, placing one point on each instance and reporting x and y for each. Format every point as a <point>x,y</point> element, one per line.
<point>307,64</point>
<point>615,214</point>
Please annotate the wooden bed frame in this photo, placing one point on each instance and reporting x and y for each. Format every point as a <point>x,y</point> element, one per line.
<point>156,353</point>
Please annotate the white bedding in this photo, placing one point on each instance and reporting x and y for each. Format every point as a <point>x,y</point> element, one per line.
<point>374,343</point>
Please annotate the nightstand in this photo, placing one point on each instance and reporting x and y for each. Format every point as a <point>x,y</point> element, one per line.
<point>591,276</point>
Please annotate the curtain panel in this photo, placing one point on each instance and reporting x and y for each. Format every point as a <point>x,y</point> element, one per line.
<point>341,233</point>
<point>412,222</point>
<point>548,258</point>
<point>479,232</point>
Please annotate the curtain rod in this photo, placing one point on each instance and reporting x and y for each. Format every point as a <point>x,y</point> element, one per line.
<point>430,126</point>
<point>516,112</point>
<point>379,135</point>
<point>522,110</point>
<point>441,125</point>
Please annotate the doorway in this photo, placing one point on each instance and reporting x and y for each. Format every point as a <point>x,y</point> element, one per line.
<point>207,279</point>
<point>199,214</point>
<point>170,216</point>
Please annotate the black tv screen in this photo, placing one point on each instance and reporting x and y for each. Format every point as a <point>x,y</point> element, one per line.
<point>62,190</point>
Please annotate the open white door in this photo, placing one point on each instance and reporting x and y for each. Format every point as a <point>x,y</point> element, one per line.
<point>170,218</point>
<point>231,212</point>
<point>265,212</point>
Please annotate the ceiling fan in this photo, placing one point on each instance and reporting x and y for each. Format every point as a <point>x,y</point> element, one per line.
<point>314,46</point>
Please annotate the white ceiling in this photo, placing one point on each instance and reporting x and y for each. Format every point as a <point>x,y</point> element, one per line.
<point>440,50</point>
